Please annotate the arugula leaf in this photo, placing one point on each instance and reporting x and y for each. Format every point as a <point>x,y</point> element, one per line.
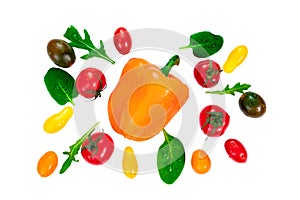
<point>205,44</point>
<point>77,41</point>
<point>170,159</point>
<point>74,150</point>
<point>227,90</point>
<point>61,86</point>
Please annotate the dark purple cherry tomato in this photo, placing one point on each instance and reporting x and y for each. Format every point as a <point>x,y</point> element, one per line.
<point>236,150</point>
<point>122,41</point>
<point>252,104</point>
<point>61,53</point>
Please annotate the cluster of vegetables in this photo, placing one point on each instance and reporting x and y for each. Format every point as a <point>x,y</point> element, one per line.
<point>97,147</point>
<point>213,119</point>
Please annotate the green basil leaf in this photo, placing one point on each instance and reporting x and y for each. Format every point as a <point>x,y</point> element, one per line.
<point>205,44</point>
<point>61,86</point>
<point>170,159</point>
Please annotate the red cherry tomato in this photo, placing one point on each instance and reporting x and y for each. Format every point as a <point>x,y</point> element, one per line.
<point>90,83</point>
<point>122,40</point>
<point>207,73</point>
<point>98,148</point>
<point>214,120</point>
<point>236,150</point>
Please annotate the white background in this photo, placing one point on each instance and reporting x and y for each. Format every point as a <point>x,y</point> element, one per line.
<point>268,28</point>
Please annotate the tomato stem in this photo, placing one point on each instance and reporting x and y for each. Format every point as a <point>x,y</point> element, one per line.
<point>75,148</point>
<point>167,68</point>
<point>97,93</point>
<point>210,73</point>
<point>215,119</point>
<point>92,146</point>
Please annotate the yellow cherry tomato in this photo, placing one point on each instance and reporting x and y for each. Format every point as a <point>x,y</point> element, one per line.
<point>200,162</point>
<point>129,164</point>
<point>57,121</point>
<point>47,164</point>
<point>235,58</point>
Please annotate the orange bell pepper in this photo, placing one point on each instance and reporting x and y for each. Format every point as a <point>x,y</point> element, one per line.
<point>145,99</point>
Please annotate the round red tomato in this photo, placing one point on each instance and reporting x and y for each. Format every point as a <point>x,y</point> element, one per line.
<point>214,120</point>
<point>122,40</point>
<point>90,83</point>
<point>207,73</point>
<point>98,148</point>
<point>236,150</point>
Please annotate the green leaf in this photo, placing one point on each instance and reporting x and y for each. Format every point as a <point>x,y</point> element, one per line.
<point>170,159</point>
<point>61,86</point>
<point>77,41</point>
<point>74,150</point>
<point>205,44</point>
<point>238,87</point>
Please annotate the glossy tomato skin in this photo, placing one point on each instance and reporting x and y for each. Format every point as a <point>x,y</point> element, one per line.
<point>214,120</point>
<point>98,148</point>
<point>252,105</point>
<point>61,53</point>
<point>201,163</point>
<point>236,150</point>
<point>90,83</point>
<point>207,73</point>
<point>122,40</point>
<point>47,164</point>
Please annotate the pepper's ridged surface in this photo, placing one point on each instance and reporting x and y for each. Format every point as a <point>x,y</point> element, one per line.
<point>144,100</point>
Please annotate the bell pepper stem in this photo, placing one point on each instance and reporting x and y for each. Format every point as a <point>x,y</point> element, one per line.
<point>167,68</point>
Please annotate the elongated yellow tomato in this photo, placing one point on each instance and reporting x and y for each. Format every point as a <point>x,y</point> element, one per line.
<point>200,162</point>
<point>47,164</point>
<point>129,164</point>
<point>57,121</point>
<point>235,58</point>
